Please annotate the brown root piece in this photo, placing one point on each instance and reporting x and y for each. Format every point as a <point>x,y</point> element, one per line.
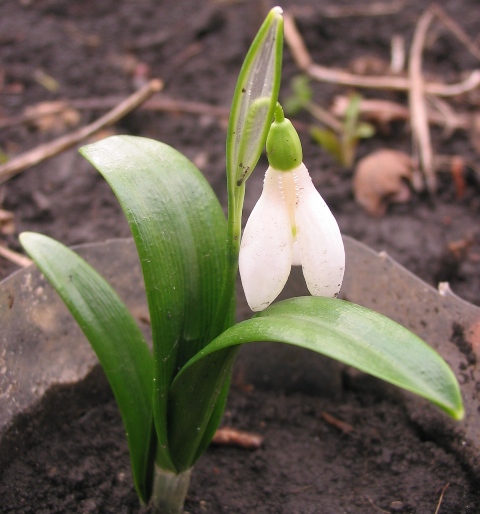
<point>344,427</point>
<point>382,178</point>
<point>227,436</point>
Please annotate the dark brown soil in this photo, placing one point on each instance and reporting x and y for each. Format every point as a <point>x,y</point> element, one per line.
<point>380,462</point>
<point>98,49</point>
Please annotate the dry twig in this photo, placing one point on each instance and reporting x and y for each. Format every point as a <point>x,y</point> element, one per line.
<point>383,112</point>
<point>15,257</point>
<point>440,500</point>
<point>343,426</point>
<point>160,104</point>
<point>334,76</point>
<point>48,150</point>
<point>422,146</point>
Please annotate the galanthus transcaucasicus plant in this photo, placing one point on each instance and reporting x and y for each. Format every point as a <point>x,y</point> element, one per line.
<point>172,397</point>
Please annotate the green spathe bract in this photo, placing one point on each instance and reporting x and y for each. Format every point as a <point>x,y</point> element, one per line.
<point>172,399</point>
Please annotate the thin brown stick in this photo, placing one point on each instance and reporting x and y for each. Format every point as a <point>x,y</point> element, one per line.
<point>440,500</point>
<point>15,257</point>
<point>344,427</point>
<point>385,111</point>
<point>397,57</point>
<point>335,76</point>
<point>48,150</point>
<point>161,104</point>
<point>422,145</point>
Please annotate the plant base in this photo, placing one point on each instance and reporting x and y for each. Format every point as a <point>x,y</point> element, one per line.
<point>169,491</point>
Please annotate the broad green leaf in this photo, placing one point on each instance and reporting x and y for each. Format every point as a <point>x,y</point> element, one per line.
<point>115,338</point>
<point>180,232</point>
<point>254,100</point>
<point>341,330</point>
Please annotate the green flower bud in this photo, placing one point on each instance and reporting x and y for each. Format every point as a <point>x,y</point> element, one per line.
<point>284,150</point>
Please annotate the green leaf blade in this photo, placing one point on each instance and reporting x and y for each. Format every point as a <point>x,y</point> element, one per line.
<point>180,233</point>
<point>115,338</point>
<point>350,334</point>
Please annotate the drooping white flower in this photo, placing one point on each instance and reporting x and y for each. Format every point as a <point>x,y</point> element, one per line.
<point>290,224</point>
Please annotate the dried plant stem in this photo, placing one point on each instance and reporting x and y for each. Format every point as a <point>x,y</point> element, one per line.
<point>385,111</point>
<point>440,500</point>
<point>16,258</point>
<point>334,76</point>
<point>422,146</point>
<point>48,150</point>
<point>160,104</point>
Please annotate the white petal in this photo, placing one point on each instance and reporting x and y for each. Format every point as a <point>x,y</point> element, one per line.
<point>296,258</point>
<point>319,239</point>
<point>266,250</point>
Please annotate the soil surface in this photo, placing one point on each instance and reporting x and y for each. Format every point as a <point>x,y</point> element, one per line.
<point>70,50</point>
<point>359,453</point>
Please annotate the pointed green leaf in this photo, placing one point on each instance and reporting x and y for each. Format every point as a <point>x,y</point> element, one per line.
<point>115,338</point>
<point>180,232</point>
<point>328,140</point>
<point>341,330</point>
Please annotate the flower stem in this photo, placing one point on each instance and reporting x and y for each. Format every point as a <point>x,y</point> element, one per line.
<point>169,491</point>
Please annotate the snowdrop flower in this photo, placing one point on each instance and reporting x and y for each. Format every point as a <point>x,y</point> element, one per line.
<point>290,224</point>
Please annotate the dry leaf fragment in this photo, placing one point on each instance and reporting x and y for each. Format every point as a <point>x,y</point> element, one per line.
<point>52,117</point>
<point>382,178</point>
<point>7,222</point>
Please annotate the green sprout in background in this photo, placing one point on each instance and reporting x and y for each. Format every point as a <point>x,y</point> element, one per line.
<point>172,397</point>
<point>338,137</point>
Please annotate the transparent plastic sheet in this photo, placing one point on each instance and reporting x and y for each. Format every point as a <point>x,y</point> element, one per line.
<point>41,346</point>
<point>445,321</point>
